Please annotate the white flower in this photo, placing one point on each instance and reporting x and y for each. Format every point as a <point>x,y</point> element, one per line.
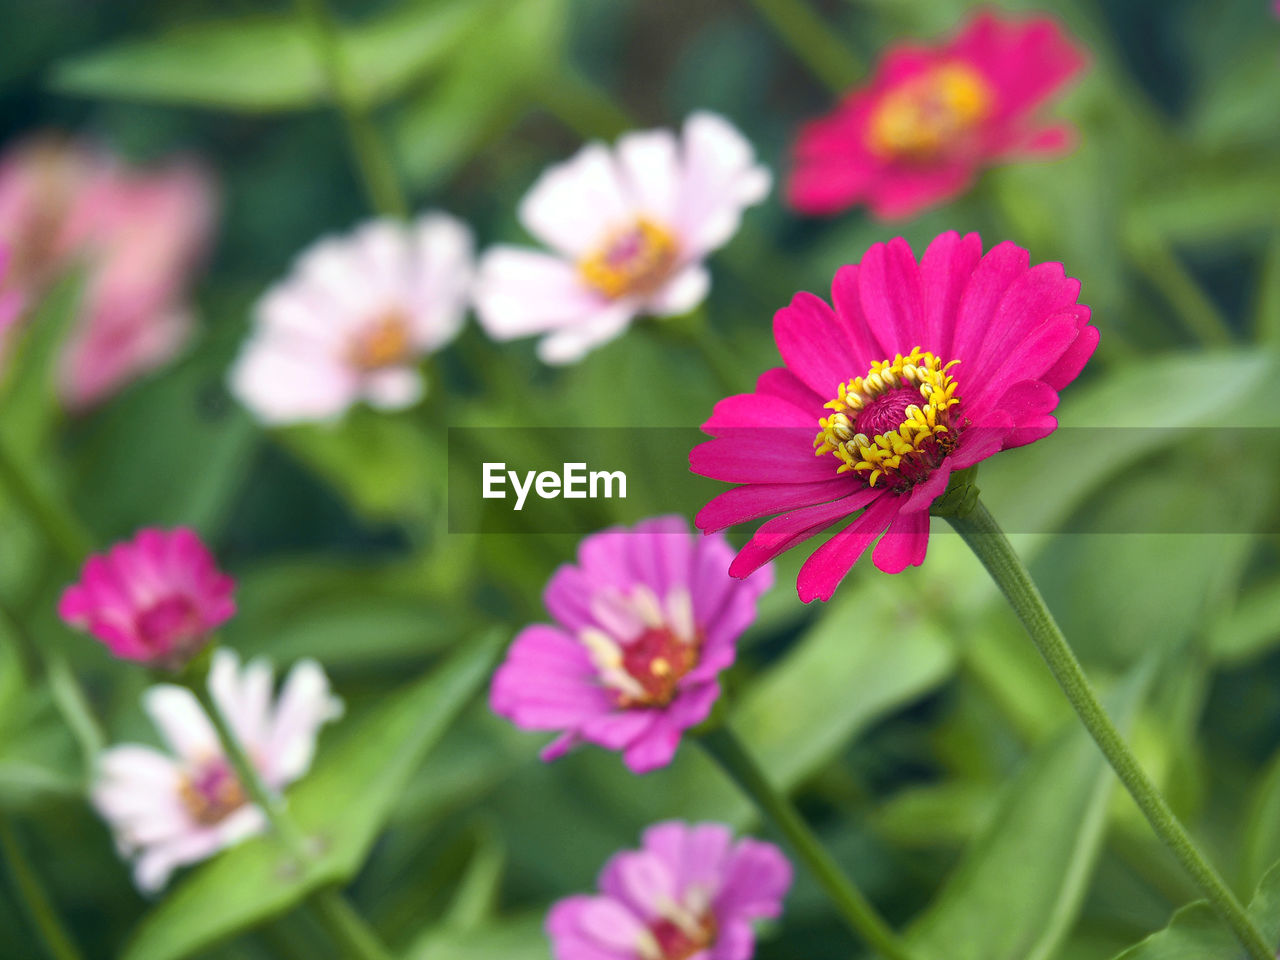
<point>353,319</point>
<point>168,810</point>
<point>629,228</point>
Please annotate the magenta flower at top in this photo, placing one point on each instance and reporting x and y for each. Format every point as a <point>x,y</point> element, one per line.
<point>645,622</point>
<point>932,117</point>
<point>916,370</point>
<point>155,599</point>
<point>690,893</point>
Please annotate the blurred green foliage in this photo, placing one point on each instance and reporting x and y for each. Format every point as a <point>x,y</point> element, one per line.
<point>910,718</point>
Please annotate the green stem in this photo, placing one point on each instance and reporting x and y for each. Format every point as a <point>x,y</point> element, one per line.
<point>339,918</point>
<point>57,942</point>
<point>66,536</point>
<point>373,160</point>
<point>984,536</point>
<point>1152,254</point>
<point>813,41</point>
<point>72,544</point>
<point>727,750</point>
<point>583,107</point>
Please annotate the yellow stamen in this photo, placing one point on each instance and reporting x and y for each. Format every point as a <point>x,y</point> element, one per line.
<point>929,113</point>
<point>635,260</point>
<point>384,342</point>
<point>904,454</point>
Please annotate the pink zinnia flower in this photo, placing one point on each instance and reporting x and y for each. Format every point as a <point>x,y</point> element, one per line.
<point>690,893</point>
<point>646,620</point>
<point>138,233</point>
<point>629,228</point>
<point>920,369</point>
<point>155,599</point>
<point>932,117</point>
<point>354,319</point>
<point>167,810</point>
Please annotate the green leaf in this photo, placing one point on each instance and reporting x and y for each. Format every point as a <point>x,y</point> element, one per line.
<point>1251,629</point>
<point>385,465</point>
<point>1104,431</point>
<point>481,90</point>
<point>29,396</point>
<point>1197,933</point>
<point>1015,894</point>
<point>268,63</point>
<point>517,939</point>
<point>342,804</point>
<point>1262,825</point>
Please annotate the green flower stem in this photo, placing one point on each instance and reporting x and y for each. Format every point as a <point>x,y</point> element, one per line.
<point>984,536</point>
<point>813,41</point>
<point>71,544</point>
<point>53,933</point>
<point>727,750</point>
<point>372,158</point>
<point>1151,253</point>
<point>347,928</point>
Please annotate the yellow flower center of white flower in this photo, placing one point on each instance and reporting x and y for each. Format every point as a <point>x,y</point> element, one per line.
<point>633,261</point>
<point>894,425</point>
<point>927,114</point>
<point>383,342</point>
<point>212,793</point>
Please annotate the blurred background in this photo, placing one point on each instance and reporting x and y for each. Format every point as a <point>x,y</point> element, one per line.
<point>910,718</point>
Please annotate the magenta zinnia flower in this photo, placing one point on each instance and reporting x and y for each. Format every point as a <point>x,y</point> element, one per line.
<point>921,369</point>
<point>155,599</point>
<point>690,893</point>
<point>646,620</point>
<point>932,117</point>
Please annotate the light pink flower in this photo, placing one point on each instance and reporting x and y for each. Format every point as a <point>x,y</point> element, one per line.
<point>932,117</point>
<point>645,622</point>
<point>690,893</point>
<point>916,370</point>
<point>353,320</point>
<point>155,599</point>
<point>138,233</point>
<point>167,810</point>
<point>629,228</point>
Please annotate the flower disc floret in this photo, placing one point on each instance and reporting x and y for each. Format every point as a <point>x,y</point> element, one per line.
<point>913,396</point>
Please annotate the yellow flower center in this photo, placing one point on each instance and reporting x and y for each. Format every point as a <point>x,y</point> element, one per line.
<point>212,793</point>
<point>635,260</point>
<point>384,342</point>
<point>894,425</point>
<point>927,114</point>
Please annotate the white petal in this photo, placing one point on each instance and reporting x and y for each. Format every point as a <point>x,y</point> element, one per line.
<point>721,179</point>
<point>383,251</point>
<point>522,292</point>
<point>334,276</point>
<point>184,726</point>
<point>575,204</point>
<point>305,705</point>
<point>157,862</point>
<point>681,293</point>
<point>650,166</point>
<point>281,386</point>
<point>444,271</point>
<point>244,694</point>
<point>573,343</point>
<point>393,388</point>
